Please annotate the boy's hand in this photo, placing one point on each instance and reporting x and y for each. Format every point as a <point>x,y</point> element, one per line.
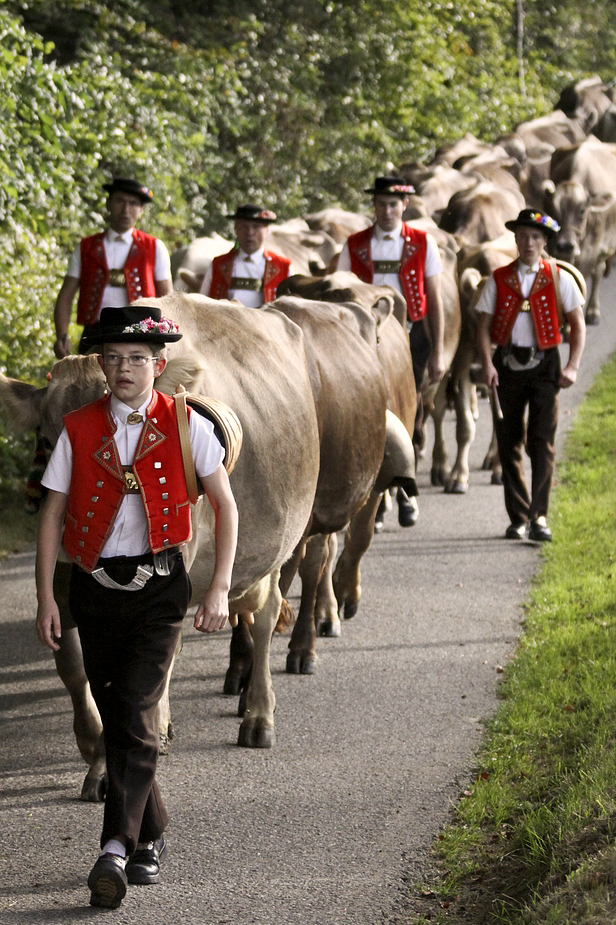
<point>212,612</point>
<point>48,628</point>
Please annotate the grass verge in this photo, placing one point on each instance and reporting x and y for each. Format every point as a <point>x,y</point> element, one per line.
<point>532,839</point>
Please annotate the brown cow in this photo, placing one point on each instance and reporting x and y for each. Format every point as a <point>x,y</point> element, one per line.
<point>581,195</point>
<point>233,354</point>
<point>479,214</point>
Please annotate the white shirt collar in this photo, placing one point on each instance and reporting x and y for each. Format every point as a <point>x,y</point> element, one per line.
<point>380,234</point>
<point>254,257</point>
<point>523,267</point>
<point>126,236</point>
<point>121,410</point>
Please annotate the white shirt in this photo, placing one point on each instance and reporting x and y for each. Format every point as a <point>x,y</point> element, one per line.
<point>387,245</point>
<point>117,247</point>
<point>523,332</point>
<point>129,535</point>
<point>249,266</point>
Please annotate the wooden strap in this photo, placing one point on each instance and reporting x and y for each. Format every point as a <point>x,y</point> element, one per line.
<point>184,433</point>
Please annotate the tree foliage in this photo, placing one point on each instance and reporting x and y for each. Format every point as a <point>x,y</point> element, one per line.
<point>216,102</point>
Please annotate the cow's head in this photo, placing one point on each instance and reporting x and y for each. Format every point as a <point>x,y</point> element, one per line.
<point>73,381</point>
<point>578,213</point>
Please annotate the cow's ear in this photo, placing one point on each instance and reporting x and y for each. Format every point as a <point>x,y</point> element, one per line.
<point>602,201</point>
<point>184,371</point>
<point>193,281</point>
<point>382,308</point>
<point>548,188</point>
<point>21,404</point>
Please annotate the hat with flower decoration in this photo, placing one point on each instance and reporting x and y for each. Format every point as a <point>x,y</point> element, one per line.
<point>391,186</point>
<point>133,324</point>
<point>252,213</point>
<point>133,187</point>
<point>534,219</point>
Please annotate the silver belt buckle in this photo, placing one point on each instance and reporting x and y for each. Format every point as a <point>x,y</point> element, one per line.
<point>142,576</point>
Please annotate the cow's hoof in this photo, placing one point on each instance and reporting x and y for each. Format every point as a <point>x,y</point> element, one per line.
<point>496,479</point>
<point>329,628</point>
<point>94,789</point>
<point>592,320</point>
<point>241,707</point>
<point>456,488</point>
<point>437,478</point>
<point>235,682</point>
<point>301,663</point>
<point>350,609</point>
<point>256,735</point>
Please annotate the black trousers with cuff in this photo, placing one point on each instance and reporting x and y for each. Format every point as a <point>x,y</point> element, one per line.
<point>128,640</point>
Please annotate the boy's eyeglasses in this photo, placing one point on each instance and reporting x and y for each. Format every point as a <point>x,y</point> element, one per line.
<point>135,359</point>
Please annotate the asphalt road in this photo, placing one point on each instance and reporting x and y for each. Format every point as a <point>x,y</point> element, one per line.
<point>332,825</point>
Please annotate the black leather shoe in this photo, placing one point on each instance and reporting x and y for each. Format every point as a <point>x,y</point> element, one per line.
<point>539,531</point>
<point>143,865</point>
<point>515,532</point>
<point>408,512</point>
<point>107,882</point>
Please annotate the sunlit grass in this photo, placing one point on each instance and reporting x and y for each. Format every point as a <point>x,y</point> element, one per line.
<point>531,841</point>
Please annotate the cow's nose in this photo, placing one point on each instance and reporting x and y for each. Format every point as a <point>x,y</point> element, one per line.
<point>564,247</point>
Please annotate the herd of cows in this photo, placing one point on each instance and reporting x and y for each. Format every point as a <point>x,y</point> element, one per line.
<point>321,380</point>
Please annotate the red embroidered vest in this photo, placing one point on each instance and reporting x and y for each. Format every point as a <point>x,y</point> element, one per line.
<point>412,265</point>
<point>543,307</point>
<point>138,273</point>
<point>98,485</point>
<point>276,270</point>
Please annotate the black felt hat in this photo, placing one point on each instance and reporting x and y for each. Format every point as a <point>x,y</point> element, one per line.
<point>133,324</point>
<point>126,185</point>
<point>534,219</point>
<point>391,186</point>
<point>252,213</point>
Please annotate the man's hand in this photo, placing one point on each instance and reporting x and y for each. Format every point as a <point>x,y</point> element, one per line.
<point>567,377</point>
<point>436,368</point>
<point>62,346</point>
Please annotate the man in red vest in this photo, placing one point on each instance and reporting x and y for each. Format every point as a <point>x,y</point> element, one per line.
<point>114,267</point>
<point>519,311</point>
<point>116,484</point>
<point>392,253</point>
<point>248,272</point>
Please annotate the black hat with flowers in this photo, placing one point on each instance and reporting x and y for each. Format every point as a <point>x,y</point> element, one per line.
<point>133,187</point>
<point>133,324</point>
<point>391,186</point>
<point>534,219</point>
<point>252,213</point>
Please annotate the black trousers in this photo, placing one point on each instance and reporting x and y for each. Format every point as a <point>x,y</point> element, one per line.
<point>128,639</point>
<point>535,389</point>
<point>421,348</point>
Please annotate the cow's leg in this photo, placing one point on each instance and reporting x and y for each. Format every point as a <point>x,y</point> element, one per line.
<point>457,482</point>
<point>492,461</point>
<point>165,726</point>
<point>347,575</point>
<point>240,660</point>
<point>302,655</point>
<point>439,453</point>
<point>257,729</point>
<point>593,312</point>
<point>87,724</point>
<point>326,608</point>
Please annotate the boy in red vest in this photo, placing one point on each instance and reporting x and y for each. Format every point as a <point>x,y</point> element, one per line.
<point>518,311</point>
<point>116,484</point>
<point>249,273</point>
<point>392,253</point>
<point>114,267</point>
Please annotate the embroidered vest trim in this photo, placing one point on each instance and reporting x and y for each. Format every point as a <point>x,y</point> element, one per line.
<point>276,270</point>
<point>138,273</point>
<point>98,484</point>
<point>543,307</point>
<point>412,265</point>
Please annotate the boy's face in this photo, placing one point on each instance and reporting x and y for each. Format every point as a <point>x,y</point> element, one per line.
<point>389,210</point>
<point>131,382</point>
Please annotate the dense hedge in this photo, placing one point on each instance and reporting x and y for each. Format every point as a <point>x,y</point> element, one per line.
<point>219,101</point>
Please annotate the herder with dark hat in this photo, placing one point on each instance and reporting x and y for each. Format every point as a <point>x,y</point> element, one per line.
<point>116,485</point>
<point>392,253</point>
<point>522,309</point>
<point>114,267</point>
<point>248,272</point>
